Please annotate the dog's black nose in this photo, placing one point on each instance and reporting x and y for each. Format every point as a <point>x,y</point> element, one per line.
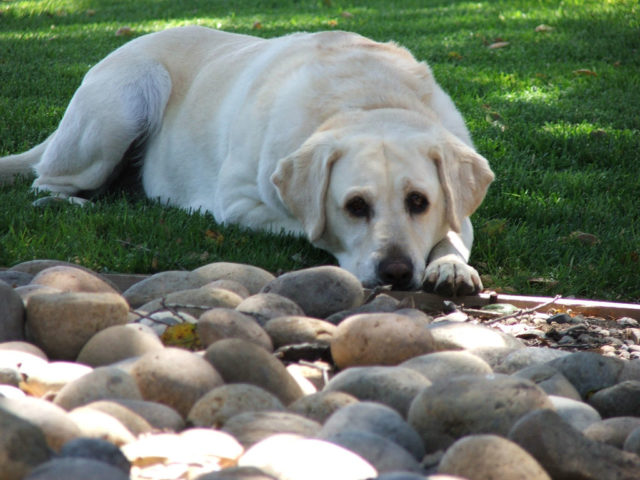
<point>396,271</point>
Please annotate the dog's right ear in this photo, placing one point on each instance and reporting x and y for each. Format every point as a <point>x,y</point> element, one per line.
<point>302,180</point>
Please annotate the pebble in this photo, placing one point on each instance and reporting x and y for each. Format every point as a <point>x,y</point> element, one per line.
<point>265,306</point>
<point>488,457</point>
<point>438,365</point>
<point>73,468</point>
<point>377,419</point>
<point>320,406</point>
<point>550,380</point>
<point>101,383</point>
<point>622,399</point>
<point>383,454</point>
<point>576,413</point>
<point>174,377</point>
<point>379,339</point>
<point>240,361</point>
<point>96,449</point>
<point>22,446</point>
<point>62,323</point>
<point>274,454</point>
<point>52,420</point>
<point>249,428</point>
<point>108,384</point>
<point>119,343</point>
<point>12,308</point>
<point>220,323</point>
<point>292,330</point>
<point>220,404</point>
<point>73,279</point>
<point>253,278</point>
<point>452,408</point>
<point>564,452</point>
<point>194,302</point>
<point>466,336</point>
<point>613,431</point>
<point>395,387</point>
<point>15,279</point>
<point>319,291</point>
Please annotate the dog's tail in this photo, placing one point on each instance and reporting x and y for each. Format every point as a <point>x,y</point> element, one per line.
<point>21,164</point>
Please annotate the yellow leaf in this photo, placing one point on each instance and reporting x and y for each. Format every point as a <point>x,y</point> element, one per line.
<point>332,23</point>
<point>455,55</point>
<point>181,335</point>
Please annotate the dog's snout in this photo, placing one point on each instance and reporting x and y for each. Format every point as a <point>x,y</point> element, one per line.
<point>396,271</point>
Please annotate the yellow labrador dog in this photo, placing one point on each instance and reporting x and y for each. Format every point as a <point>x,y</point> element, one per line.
<point>329,135</point>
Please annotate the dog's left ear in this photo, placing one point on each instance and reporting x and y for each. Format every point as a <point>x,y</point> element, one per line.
<point>464,175</point>
<point>302,180</point>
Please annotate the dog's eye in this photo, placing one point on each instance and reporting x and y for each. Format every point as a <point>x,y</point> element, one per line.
<point>358,207</point>
<point>416,203</point>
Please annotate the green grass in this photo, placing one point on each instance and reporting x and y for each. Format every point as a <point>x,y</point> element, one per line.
<point>557,113</point>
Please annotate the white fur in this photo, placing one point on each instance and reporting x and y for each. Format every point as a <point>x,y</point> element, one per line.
<point>277,134</point>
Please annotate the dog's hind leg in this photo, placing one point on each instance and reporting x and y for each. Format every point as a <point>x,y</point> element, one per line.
<point>118,104</point>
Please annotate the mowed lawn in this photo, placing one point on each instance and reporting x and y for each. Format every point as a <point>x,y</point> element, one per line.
<point>550,91</point>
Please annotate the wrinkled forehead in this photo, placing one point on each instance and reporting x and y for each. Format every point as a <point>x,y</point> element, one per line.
<point>386,165</point>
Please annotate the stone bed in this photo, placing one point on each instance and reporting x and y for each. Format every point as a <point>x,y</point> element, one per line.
<point>227,372</point>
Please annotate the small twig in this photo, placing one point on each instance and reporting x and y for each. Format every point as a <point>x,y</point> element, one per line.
<point>322,368</point>
<point>526,311</point>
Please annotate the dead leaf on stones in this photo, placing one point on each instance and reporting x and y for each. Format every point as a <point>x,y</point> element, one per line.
<point>497,45</point>
<point>544,28</point>
<point>586,72</point>
<point>124,32</point>
<point>182,335</point>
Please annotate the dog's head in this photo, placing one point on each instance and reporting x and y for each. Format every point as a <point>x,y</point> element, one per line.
<point>380,190</point>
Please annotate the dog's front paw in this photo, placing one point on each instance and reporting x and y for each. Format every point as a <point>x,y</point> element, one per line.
<point>450,276</point>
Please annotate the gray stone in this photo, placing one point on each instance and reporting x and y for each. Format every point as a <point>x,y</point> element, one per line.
<point>383,454</point>
<point>96,424</point>
<point>565,453</point>
<point>220,323</point>
<point>379,339</point>
<point>231,285</point>
<point>74,468</point>
<point>319,291</point>
<point>291,330</point>
<point>253,278</point>
<point>239,361</point>
<point>135,423</point>
<point>380,304</point>
<point>265,306</point>
<point>395,387</point>
<point>274,454</point>
<point>14,278</point>
<point>119,343</point>
<point>466,336</point>
<point>613,431</point>
<point>376,419</point>
<point>96,449</point>
<point>22,446</point>
<point>62,323</point>
<point>159,285</point>
<point>528,356</point>
<point>622,399</point>
<point>438,365</point>
<point>161,417</point>
<point>101,383</point>
<point>174,377</point>
<point>589,372</point>
<point>576,413</point>
<point>321,405</point>
<point>237,473</point>
<point>485,457</point>
<point>11,314</point>
<point>41,379</point>
<point>632,442</point>
<point>452,408</point>
<point>250,428</point>
<point>220,404</point>
<point>550,380</point>
<point>52,420</point>
<point>194,301</point>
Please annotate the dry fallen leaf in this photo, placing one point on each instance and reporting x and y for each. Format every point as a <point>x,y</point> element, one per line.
<point>495,45</point>
<point>346,14</point>
<point>182,335</point>
<point>585,71</point>
<point>257,26</point>
<point>332,23</point>
<point>455,55</point>
<point>124,32</point>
